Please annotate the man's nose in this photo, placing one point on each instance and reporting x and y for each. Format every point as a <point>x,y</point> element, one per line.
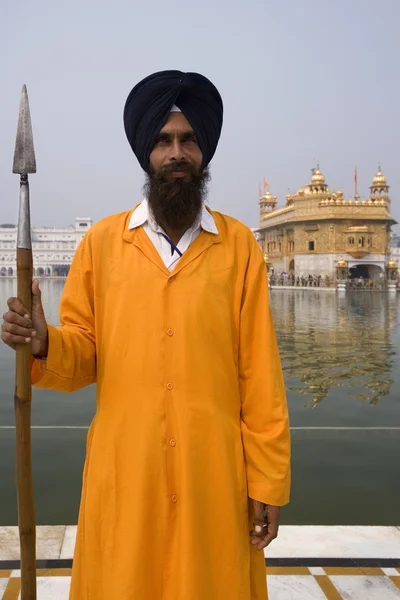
<point>177,151</point>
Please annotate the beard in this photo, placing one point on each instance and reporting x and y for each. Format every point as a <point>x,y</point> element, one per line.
<point>176,203</point>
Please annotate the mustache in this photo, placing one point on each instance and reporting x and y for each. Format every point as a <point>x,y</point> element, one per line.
<point>176,167</point>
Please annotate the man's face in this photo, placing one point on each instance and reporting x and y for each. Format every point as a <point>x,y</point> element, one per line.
<point>176,183</point>
<point>176,146</point>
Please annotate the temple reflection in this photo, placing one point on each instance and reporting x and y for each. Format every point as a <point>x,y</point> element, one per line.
<point>327,341</point>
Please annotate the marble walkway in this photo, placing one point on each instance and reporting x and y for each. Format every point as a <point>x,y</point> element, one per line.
<point>304,563</point>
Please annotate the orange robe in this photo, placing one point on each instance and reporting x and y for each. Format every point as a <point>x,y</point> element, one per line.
<point>191,413</point>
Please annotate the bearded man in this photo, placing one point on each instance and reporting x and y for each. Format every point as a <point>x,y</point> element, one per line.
<point>166,309</point>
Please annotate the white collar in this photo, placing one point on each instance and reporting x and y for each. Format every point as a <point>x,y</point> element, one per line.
<point>142,215</point>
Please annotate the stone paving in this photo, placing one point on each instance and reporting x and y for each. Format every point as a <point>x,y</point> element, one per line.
<point>305,563</point>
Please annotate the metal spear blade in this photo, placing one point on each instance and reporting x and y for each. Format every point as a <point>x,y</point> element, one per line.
<point>24,155</point>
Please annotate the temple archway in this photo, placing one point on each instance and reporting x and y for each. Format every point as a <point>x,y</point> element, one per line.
<point>366,271</point>
<point>61,270</point>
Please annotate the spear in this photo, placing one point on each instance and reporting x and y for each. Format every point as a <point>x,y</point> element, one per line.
<point>24,163</point>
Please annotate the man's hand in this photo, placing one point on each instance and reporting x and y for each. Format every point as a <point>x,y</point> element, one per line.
<point>21,328</point>
<point>266,524</point>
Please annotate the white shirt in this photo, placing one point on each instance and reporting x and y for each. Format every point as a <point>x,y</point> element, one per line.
<point>142,217</point>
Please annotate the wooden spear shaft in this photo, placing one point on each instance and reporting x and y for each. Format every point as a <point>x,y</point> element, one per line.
<point>24,163</point>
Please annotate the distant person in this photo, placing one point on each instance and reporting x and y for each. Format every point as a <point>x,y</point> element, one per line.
<point>166,309</point>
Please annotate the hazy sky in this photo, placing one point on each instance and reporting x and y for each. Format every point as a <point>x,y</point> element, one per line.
<point>301,80</point>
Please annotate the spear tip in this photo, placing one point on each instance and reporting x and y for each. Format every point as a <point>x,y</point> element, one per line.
<point>24,155</point>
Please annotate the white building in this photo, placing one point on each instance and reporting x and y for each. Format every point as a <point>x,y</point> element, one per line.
<point>53,248</point>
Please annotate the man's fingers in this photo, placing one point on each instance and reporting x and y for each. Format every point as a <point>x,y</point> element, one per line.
<point>12,340</point>
<point>259,515</point>
<point>16,330</point>
<point>259,531</point>
<point>13,317</point>
<point>16,306</point>
<point>266,525</point>
<point>265,541</point>
<point>36,295</point>
<point>262,540</point>
<point>35,288</point>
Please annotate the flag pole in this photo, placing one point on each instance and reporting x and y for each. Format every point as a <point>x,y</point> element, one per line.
<point>356,196</point>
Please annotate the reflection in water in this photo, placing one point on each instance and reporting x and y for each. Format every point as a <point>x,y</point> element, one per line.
<point>328,341</point>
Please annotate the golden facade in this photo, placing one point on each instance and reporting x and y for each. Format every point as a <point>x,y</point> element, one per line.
<point>318,226</point>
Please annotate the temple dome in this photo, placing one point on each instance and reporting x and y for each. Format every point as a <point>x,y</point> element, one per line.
<point>304,191</point>
<point>379,179</point>
<point>317,177</point>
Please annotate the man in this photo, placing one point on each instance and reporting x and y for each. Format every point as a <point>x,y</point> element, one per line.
<point>166,309</point>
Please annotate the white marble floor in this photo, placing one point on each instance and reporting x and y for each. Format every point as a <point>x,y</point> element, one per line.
<point>284,585</point>
<point>284,582</point>
<point>302,541</point>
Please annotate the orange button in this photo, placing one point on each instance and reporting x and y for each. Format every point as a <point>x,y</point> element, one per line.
<point>170,279</point>
<point>172,442</point>
<point>170,386</point>
<point>174,498</point>
<point>170,332</point>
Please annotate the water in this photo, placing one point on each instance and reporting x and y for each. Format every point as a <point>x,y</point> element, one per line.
<point>342,372</point>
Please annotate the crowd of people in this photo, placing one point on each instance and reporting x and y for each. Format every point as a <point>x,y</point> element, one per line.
<point>353,283</point>
<point>299,281</point>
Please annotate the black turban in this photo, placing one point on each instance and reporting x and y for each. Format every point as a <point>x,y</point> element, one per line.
<point>148,106</point>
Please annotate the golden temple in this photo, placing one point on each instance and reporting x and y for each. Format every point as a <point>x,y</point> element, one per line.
<point>318,227</point>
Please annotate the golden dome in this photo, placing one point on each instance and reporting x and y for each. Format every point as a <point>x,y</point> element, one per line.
<point>392,263</point>
<point>304,191</point>
<point>341,263</point>
<point>266,259</point>
<point>317,177</point>
<point>268,197</point>
<point>379,179</point>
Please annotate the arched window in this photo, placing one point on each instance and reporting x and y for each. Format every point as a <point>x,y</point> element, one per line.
<point>351,241</point>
